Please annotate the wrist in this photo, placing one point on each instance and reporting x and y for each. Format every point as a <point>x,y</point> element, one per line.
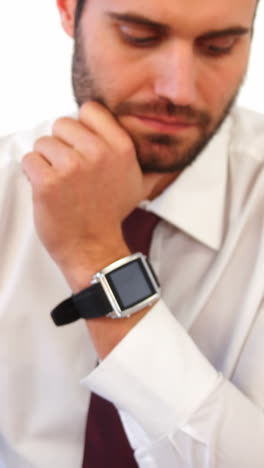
<point>80,271</point>
<point>106,334</point>
<point>127,288</point>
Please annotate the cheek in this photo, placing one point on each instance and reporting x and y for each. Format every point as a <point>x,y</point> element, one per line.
<point>119,79</point>
<point>118,74</point>
<point>224,77</point>
<point>219,84</point>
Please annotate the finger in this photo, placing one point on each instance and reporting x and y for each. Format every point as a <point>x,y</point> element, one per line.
<point>56,152</point>
<point>36,168</point>
<point>99,119</point>
<point>76,135</point>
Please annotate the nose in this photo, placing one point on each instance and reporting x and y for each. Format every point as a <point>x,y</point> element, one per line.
<point>175,74</point>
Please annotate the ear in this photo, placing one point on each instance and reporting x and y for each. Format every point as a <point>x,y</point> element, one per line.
<point>67,14</point>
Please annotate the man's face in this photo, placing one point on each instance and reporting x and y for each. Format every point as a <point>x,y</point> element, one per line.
<point>168,70</point>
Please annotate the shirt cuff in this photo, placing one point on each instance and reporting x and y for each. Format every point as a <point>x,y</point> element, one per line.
<point>156,374</point>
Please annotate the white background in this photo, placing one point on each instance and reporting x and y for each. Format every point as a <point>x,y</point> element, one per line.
<point>35,74</point>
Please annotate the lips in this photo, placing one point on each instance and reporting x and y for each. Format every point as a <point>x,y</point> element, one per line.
<point>163,124</point>
<point>165,120</point>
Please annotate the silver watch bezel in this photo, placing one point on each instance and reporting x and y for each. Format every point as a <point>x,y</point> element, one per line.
<point>117,312</point>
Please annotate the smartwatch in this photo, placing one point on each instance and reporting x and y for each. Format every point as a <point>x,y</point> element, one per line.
<point>117,291</point>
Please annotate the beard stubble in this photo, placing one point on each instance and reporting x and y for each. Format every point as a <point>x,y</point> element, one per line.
<point>160,153</point>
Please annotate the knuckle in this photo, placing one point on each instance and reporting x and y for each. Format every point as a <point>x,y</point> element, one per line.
<point>72,166</point>
<point>26,158</point>
<point>100,151</point>
<point>101,159</point>
<point>40,143</point>
<point>86,108</point>
<point>89,111</point>
<point>58,124</point>
<point>45,190</point>
<point>26,162</point>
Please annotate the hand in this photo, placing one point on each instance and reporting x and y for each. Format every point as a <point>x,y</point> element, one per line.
<point>85,180</point>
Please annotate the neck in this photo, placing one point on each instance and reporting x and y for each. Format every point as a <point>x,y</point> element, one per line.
<point>162,182</point>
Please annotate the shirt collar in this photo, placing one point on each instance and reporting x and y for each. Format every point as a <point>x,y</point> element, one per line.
<point>195,201</point>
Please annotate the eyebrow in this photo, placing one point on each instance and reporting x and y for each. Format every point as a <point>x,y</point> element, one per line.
<point>233,31</point>
<point>137,19</point>
<point>144,21</point>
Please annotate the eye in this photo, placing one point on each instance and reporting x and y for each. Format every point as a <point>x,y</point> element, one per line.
<point>138,35</point>
<point>216,47</point>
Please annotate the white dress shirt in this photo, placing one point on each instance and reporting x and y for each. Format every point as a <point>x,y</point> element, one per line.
<point>188,379</point>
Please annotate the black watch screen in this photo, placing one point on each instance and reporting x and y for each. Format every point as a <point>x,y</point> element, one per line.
<point>130,284</point>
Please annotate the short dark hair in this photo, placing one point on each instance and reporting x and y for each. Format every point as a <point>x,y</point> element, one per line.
<point>78,11</point>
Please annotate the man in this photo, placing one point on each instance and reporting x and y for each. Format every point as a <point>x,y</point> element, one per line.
<point>155,83</point>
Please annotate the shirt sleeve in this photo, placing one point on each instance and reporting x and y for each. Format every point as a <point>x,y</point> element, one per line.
<point>176,408</point>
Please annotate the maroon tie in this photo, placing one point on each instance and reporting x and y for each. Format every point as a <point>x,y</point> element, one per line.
<point>106,444</point>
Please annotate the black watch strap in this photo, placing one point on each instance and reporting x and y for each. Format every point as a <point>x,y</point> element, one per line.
<point>89,303</point>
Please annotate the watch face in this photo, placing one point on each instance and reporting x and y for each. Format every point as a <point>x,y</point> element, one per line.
<point>130,284</point>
